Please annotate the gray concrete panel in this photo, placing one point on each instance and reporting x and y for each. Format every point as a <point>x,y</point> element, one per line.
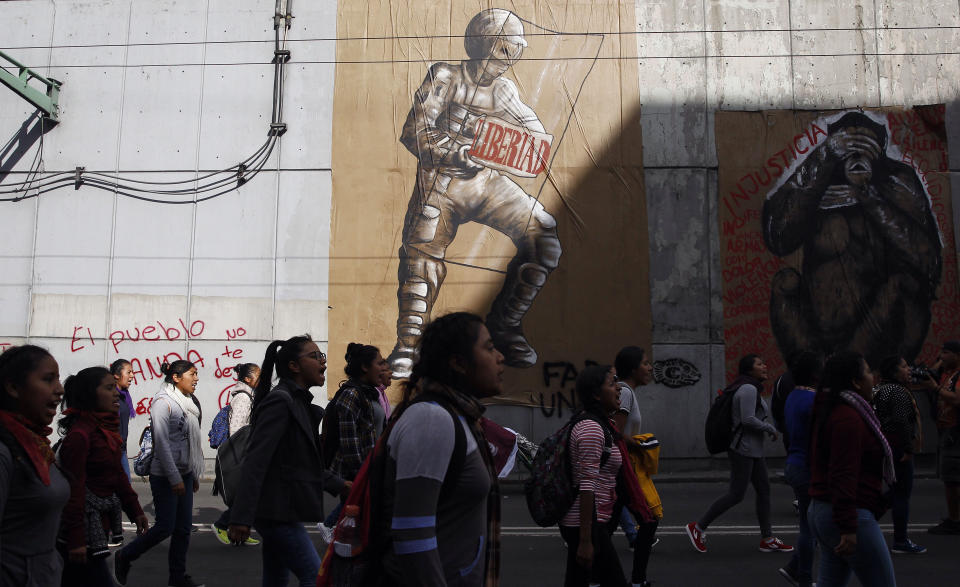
<point>676,415</point>
<point>714,274</point>
<point>303,263</point>
<point>679,254</point>
<point>156,276</point>
<point>829,14</point>
<point>235,117</point>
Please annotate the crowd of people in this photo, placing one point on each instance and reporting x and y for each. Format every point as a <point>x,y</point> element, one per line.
<point>850,443</point>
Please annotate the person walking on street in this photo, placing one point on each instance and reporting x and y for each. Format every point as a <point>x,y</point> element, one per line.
<point>900,422</point>
<point>241,406</point>
<point>797,412</point>
<point>445,520</point>
<point>354,418</point>
<point>948,425</point>
<point>747,465</point>
<point>850,462</point>
<point>174,474</point>
<point>99,487</point>
<point>33,490</point>
<point>595,462</point>
<point>283,477</point>
<point>122,372</point>
<point>634,370</point>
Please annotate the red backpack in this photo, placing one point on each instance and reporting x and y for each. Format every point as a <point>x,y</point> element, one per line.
<point>365,567</point>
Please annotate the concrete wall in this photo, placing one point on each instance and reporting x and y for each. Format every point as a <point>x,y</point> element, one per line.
<point>164,90</point>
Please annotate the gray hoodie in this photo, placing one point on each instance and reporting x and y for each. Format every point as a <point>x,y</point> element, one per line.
<point>750,413</point>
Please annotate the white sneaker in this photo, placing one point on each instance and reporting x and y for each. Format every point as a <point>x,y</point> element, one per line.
<point>326,534</point>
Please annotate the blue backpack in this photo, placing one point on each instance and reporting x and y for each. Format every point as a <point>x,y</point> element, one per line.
<point>220,428</point>
<point>141,463</point>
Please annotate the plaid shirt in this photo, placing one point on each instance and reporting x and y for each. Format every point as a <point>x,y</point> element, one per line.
<point>357,433</point>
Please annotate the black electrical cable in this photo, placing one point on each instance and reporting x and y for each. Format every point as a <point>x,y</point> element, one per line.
<point>234,176</point>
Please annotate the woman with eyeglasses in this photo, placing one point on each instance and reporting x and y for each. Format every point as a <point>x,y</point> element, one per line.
<point>283,476</point>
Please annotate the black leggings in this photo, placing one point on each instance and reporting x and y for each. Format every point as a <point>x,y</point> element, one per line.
<point>606,568</point>
<point>646,531</point>
<point>743,472</point>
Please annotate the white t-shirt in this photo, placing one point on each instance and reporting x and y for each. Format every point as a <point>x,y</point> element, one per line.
<point>630,406</point>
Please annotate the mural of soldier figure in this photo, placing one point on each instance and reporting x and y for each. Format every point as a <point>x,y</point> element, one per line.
<point>450,110</point>
<point>871,247</point>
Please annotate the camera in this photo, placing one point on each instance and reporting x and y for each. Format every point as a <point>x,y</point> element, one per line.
<point>920,373</point>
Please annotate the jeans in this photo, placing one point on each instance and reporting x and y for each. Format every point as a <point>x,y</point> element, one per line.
<point>287,548</point>
<point>174,519</point>
<point>606,570</point>
<point>871,559</point>
<point>743,471</point>
<point>801,563</point>
<point>629,525</point>
<point>93,573</point>
<point>900,499</point>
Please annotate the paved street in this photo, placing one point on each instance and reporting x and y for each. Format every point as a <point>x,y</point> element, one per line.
<point>535,556</point>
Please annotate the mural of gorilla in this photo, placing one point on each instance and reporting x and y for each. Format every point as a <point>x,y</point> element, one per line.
<point>871,248</point>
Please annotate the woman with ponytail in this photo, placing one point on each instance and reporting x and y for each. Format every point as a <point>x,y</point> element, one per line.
<point>851,465</point>
<point>446,507</point>
<point>32,490</point>
<point>354,418</point>
<point>174,473</point>
<point>99,487</point>
<point>596,463</point>
<point>283,477</point>
<point>241,406</point>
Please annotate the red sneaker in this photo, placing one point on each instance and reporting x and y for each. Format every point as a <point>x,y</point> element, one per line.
<point>774,544</point>
<point>697,537</point>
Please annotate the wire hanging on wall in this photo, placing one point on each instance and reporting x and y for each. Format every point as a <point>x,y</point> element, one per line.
<point>211,185</point>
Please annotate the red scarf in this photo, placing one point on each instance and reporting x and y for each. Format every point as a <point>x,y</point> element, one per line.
<point>107,422</point>
<point>33,439</point>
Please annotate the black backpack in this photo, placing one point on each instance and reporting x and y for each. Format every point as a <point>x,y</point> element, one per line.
<point>718,430</point>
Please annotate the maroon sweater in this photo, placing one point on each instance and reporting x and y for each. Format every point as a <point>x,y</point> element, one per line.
<point>848,471</point>
<point>87,461</point>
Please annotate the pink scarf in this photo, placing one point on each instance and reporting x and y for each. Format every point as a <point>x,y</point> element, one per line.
<point>870,417</point>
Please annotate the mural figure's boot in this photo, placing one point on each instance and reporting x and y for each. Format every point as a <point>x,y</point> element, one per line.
<point>420,277</point>
<point>523,283</point>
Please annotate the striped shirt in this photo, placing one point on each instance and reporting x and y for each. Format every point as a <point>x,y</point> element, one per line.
<point>586,448</point>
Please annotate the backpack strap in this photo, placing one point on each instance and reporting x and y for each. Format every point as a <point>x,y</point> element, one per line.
<point>607,437</point>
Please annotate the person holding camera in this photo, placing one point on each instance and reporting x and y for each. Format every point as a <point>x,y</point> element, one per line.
<point>948,424</point>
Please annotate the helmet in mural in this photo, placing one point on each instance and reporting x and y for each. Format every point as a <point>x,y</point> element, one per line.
<point>496,34</point>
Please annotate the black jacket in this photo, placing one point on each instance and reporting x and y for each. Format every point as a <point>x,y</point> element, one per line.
<point>283,477</point>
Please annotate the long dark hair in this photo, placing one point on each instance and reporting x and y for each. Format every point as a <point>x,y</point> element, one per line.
<point>277,358</point>
<point>627,361</point>
<point>889,367</point>
<point>588,385</point>
<point>449,336</point>
<point>745,365</point>
<point>80,393</point>
<point>16,363</point>
<point>839,373</point>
